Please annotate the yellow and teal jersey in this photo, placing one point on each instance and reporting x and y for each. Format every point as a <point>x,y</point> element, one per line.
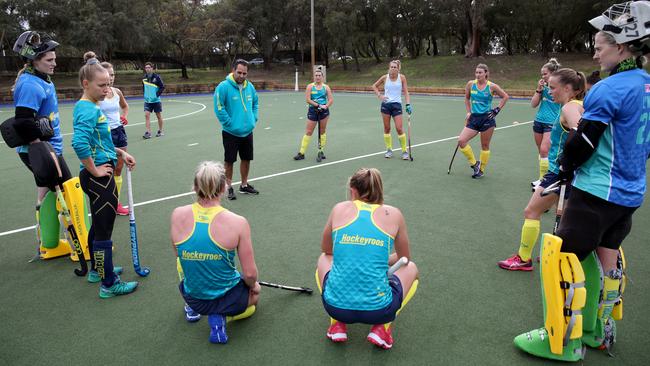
<point>549,111</point>
<point>559,134</point>
<point>358,279</point>
<point>480,99</point>
<point>318,95</point>
<point>92,134</point>
<point>153,87</point>
<point>210,269</point>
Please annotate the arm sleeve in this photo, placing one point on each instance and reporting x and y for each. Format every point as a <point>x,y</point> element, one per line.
<point>255,104</point>
<point>81,138</point>
<point>220,97</point>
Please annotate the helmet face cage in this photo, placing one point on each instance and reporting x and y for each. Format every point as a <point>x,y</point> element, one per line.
<point>32,44</point>
<point>627,22</point>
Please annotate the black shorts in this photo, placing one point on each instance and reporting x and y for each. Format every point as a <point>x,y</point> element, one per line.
<point>119,137</point>
<point>481,122</point>
<point>153,107</point>
<point>313,114</point>
<point>233,302</point>
<point>64,170</point>
<point>542,127</point>
<point>233,144</point>
<point>392,109</point>
<point>590,222</point>
<point>551,178</point>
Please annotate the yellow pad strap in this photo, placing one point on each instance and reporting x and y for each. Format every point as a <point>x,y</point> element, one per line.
<point>469,154</point>
<point>409,295</point>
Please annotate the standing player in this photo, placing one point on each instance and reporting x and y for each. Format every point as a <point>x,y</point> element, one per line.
<point>480,117</point>
<point>319,99</point>
<point>236,104</point>
<point>608,153</point>
<point>547,115</point>
<point>116,110</point>
<point>93,145</point>
<point>567,87</point>
<point>391,105</point>
<point>35,100</point>
<point>207,239</point>
<point>593,78</point>
<point>357,242</point>
<point>153,87</point>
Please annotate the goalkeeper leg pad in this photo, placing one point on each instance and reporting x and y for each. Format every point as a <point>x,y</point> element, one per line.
<point>49,229</point>
<point>75,199</point>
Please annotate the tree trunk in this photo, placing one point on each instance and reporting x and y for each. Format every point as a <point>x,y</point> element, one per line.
<point>436,51</point>
<point>373,48</point>
<point>345,62</point>
<point>356,59</point>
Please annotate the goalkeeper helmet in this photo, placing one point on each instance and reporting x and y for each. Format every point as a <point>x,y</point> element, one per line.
<point>31,44</point>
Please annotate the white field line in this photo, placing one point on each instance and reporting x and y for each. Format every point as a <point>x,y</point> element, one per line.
<point>317,166</point>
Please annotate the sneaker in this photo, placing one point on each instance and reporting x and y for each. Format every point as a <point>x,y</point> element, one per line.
<point>380,336</point>
<point>476,168</point>
<point>93,276</point>
<point>337,332</point>
<point>147,135</point>
<point>118,288</point>
<point>388,154</point>
<point>231,194</point>
<point>515,263</point>
<point>217,328</point>
<point>478,175</point>
<point>160,133</point>
<point>321,154</point>
<point>405,155</point>
<point>299,156</point>
<point>121,210</point>
<point>190,315</point>
<point>248,189</point>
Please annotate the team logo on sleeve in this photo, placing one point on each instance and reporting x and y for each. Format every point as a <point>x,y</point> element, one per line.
<point>647,88</point>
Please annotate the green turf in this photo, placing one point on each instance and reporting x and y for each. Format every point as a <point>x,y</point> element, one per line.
<point>466,311</point>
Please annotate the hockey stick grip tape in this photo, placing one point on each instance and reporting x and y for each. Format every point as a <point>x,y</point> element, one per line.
<point>400,262</point>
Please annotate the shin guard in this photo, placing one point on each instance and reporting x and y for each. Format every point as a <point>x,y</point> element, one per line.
<point>49,229</point>
<point>563,284</point>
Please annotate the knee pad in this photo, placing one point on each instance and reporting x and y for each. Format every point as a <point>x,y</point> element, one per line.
<point>563,283</point>
<point>75,199</point>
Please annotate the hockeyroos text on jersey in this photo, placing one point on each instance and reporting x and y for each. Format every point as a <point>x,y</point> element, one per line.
<point>198,256</point>
<point>360,240</point>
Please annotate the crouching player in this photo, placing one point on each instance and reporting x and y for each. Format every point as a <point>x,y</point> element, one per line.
<point>207,239</point>
<point>37,119</point>
<point>352,271</point>
<point>608,152</point>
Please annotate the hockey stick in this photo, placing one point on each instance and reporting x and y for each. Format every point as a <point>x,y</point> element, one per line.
<point>141,271</point>
<point>452,159</point>
<point>319,156</point>
<point>560,203</point>
<point>409,137</point>
<point>305,290</point>
<point>67,221</point>
<point>399,264</point>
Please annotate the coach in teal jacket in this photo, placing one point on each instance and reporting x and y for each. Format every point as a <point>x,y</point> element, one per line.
<point>235,104</point>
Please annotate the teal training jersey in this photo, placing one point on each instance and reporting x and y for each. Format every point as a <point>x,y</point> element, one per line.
<point>358,279</point>
<point>92,135</point>
<point>549,111</point>
<point>481,100</point>
<point>559,134</point>
<point>210,269</point>
<point>318,96</point>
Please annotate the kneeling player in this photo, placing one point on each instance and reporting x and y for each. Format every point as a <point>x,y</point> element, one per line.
<point>352,271</point>
<point>207,239</point>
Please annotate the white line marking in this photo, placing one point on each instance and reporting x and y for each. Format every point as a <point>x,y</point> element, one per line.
<point>203,107</point>
<point>320,165</point>
<point>194,144</point>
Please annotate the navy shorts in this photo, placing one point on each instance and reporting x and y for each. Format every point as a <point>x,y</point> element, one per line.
<point>549,178</point>
<point>233,302</point>
<point>153,107</point>
<point>119,137</point>
<point>542,127</point>
<point>379,316</point>
<point>481,122</point>
<point>392,109</point>
<point>313,114</point>
<point>233,144</point>
<point>590,222</point>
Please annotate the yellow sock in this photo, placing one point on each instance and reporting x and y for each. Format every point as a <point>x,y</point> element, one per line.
<point>610,293</point>
<point>529,235</point>
<point>543,167</point>
<point>388,140</point>
<point>332,321</point>
<point>304,144</point>
<point>402,141</point>
<point>323,141</point>
<point>118,183</point>
<point>409,296</point>
<point>469,154</point>
<point>485,157</point>
<point>246,314</point>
